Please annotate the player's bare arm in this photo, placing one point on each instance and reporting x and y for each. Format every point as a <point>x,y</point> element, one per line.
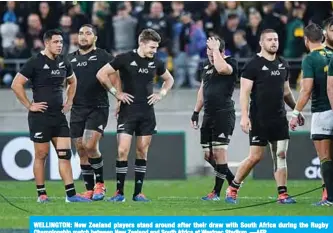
<point>303,99</point>
<point>290,101</point>
<point>167,85</point>
<point>245,91</point>
<point>116,82</point>
<point>197,108</point>
<point>330,90</point>
<point>221,66</point>
<point>18,88</point>
<point>103,75</point>
<point>70,93</point>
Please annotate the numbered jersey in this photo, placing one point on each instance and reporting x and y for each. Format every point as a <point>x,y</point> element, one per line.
<point>315,66</point>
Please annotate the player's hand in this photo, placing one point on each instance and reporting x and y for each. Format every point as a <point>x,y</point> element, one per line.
<point>245,124</point>
<point>301,119</point>
<point>154,98</point>
<point>195,120</point>
<point>117,109</point>
<point>38,107</point>
<point>213,44</point>
<point>293,123</point>
<point>124,97</point>
<point>66,107</point>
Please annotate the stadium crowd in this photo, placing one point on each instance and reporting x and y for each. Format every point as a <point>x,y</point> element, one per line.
<point>183,26</point>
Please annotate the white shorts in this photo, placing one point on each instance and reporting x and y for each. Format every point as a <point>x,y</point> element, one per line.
<point>322,125</point>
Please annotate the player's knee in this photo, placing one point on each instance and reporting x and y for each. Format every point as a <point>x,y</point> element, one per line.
<point>255,158</point>
<point>81,150</point>
<point>65,154</point>
<point>41,154</point>
<point>122,153</point>
<point>141,152</point>
<point>208,156</point>
<point>90,148</point>
<point>281,154</point>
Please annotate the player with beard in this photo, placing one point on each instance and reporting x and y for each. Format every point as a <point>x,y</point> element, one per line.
<point>317,69</point>
<point>328,33</point>
<point>265,78</point>
<point>137,70</point>
<point>90,112</point>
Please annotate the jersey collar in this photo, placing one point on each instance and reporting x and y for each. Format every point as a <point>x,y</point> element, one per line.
<point>318,48</point>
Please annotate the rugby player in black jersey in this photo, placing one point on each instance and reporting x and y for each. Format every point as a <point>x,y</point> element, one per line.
<point>90,112</point>
<point>265,79</point>
<point>137,70</point>
<point>47,72</point>
<point>215,96</point>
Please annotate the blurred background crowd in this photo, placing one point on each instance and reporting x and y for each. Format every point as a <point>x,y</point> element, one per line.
<point>184,27</point>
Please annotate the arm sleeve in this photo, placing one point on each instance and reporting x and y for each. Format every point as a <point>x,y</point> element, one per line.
<point>249,71</point>
<point>234,65</point>
<point>28,69</point>
<point>117,62</point>
<point>69,69</point>
<point>307,68</point>
<point>330,68</point>
<point>286,64</point>
<point>160,67</point>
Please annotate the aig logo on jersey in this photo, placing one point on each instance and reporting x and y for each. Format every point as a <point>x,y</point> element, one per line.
<point>81,64</point>
<point>209,71</point>
<point>55,72</point>
<point>143,71</point>
<point>275,72</point>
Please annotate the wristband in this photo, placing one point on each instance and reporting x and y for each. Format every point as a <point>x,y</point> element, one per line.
<point>295,113</point>
<point>113,91</point>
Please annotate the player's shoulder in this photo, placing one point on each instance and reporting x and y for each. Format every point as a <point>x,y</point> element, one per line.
<point>63,58</point>
<point>230,60</point>
<point>100,51</point>
<point>283,60</point>
<point>126,55</point>
<point>253,62</point>
<point>36,59</point>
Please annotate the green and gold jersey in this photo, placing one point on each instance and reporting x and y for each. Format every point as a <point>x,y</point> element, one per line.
<point>315,66</point>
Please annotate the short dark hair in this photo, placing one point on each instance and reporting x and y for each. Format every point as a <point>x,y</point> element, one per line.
<point>266,31</point>
<point>149,34</point>
<point>314,33</point>
<point>49,33</point>
<point>93,28</point>
<point>222,42</point>
<point>328,22</point>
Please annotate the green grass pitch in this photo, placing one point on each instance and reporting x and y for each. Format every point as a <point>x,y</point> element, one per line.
<point>169,198</point>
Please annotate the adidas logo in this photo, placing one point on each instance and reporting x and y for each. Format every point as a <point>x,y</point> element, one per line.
<point>100,127</point>
<point>206,67</point>
<point>46,67</point>
<point>133,63</point>
<point>264,68</point>
<point>222,135</point>
<point>313,172</point>
<point>139,182</point>
<point>74,59</point>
